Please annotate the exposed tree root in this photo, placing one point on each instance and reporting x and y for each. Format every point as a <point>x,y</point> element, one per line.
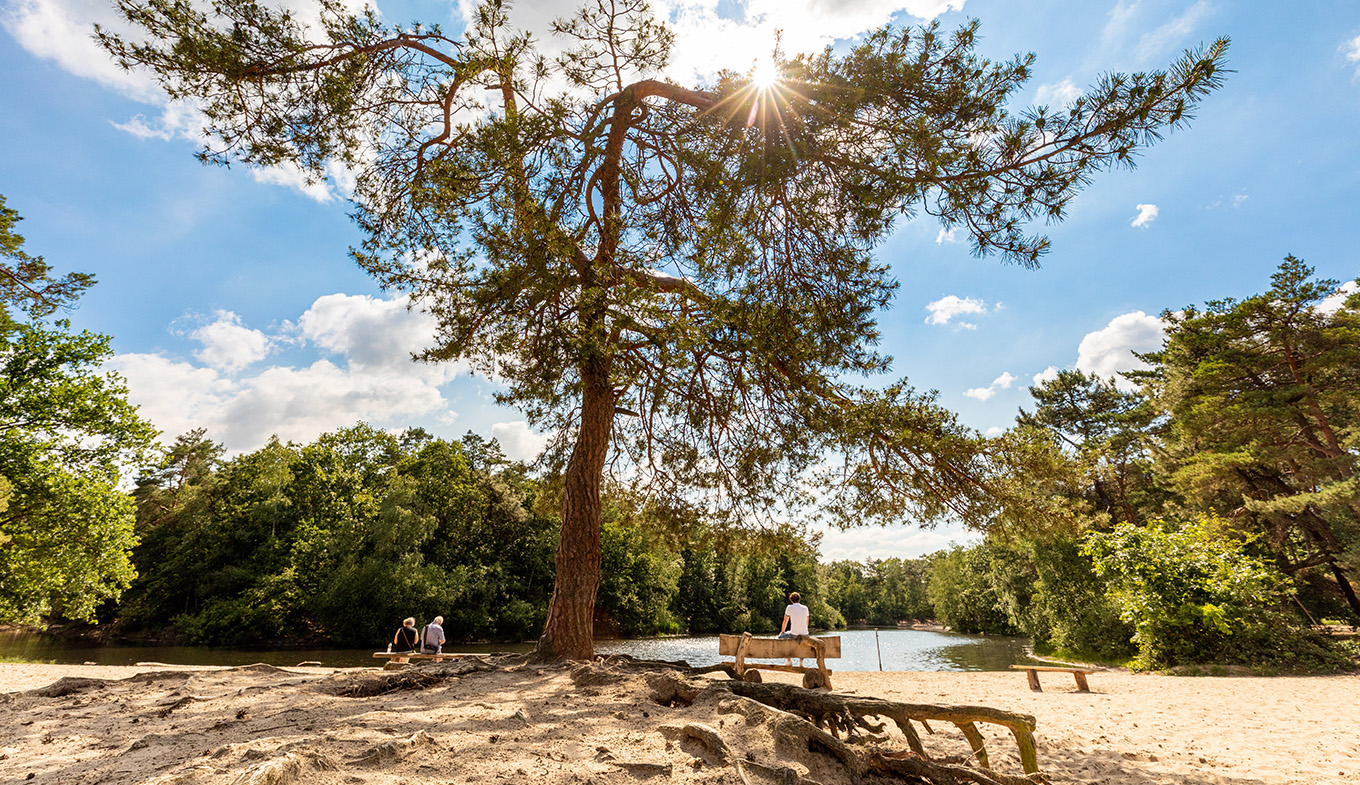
<point>830,723</point>
<point>417,677</point>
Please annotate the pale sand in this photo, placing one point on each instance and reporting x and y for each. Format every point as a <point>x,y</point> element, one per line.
<point>257,725</point>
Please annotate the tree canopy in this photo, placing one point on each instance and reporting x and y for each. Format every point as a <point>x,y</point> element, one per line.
<point>679,282</point>
<point>1264,417</point>
<point>66,431</point>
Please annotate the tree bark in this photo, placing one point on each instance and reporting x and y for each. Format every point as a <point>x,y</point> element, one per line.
<point>568,633</point>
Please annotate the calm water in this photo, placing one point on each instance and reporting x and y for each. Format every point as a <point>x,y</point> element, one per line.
<point>901,650</point>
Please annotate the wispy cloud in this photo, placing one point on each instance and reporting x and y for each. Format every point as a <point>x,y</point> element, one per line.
<point>1173,33</point>
<point>947,236</point>
<point>1059,94</point>
<point>945,309</point>
<point>1147,213</point>
<point>1351,49</point>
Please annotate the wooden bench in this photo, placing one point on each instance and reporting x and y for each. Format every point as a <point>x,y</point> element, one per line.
<point>1032,671</point>
<point>397,660</point>
<point>803,647</point>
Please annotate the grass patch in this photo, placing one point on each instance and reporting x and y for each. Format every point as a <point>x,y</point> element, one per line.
<point>15,660</point>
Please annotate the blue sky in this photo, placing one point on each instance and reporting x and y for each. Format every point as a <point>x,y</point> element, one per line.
<point>234,305</point>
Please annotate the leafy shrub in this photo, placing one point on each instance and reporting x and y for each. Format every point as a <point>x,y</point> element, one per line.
<point>1194,595</point>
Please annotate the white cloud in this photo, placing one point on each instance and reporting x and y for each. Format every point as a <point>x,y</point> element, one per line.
<point>1238,200</point>
<point>1108,351</point>
<point>1046,375</point>
<point>943,310</point>
<point>62,31</point>
<point>371,376</point>
<point>711,36</point>
<point>1060,93</point>
<point>1333,304</point>
<point>947,236</point>
<point>228,345</point>
<point>290,175</point>
<point>1147,213</point>
<point>887,542</point>
<point>372,333</point>
<point>1351,49</point>
<point>175,396</point>
<point>993,431</point>
<point>518,441</point>
<point>1002,382</point>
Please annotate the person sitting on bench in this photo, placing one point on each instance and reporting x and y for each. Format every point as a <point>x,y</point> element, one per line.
<point>406,637</point>
<point>795,622</point>
<point>432,637</point>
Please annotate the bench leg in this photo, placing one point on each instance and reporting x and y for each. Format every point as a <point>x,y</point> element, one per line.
<point>1034,680</point>
<point>1081,681</point>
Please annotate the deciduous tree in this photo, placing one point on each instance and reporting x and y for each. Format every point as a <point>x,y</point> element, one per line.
<point>66,430</point>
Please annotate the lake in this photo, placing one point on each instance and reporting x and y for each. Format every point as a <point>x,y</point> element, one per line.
<point>900,650</point>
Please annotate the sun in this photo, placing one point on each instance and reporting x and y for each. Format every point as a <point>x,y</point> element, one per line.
<point>765,74</point>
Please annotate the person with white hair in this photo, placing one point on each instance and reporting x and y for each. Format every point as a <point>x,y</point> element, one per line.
<point>432,637</point>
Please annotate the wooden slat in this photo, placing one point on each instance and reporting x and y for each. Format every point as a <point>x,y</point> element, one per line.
<point>1053,669</point>
<point>775,648</point>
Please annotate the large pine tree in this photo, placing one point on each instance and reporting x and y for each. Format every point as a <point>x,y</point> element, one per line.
<point>680,278</point>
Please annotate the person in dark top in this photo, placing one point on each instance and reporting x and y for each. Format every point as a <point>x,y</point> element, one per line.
<point>406,637</point>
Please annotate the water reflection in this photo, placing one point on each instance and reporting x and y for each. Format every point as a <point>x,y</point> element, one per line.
<point>900,650</point>
<point>861,650</point>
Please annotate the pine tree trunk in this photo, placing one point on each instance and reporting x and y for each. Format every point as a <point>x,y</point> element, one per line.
<point>568,633</point>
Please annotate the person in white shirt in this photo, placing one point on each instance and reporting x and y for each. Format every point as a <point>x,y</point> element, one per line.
<point>795,622</point>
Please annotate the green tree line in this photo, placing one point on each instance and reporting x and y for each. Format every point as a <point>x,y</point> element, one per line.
<point>1206,509</point>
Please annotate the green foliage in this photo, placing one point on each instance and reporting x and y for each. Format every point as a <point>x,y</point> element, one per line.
<point>1195,595</point>
<point>963,594</point>
<point>1264,420</point>
<point>338,541</point>
<point>26,281</point>
<point>66,429</point>
<point>1049,590</point>
<point>638,580</point>
<point>880,591</point>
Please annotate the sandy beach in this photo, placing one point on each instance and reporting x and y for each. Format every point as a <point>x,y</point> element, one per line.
<point>517,724</point>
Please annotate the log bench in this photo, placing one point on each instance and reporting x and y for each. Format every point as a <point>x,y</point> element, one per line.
<point>744,646</point>
<point>1032,671</point>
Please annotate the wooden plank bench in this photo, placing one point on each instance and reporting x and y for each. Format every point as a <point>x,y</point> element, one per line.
<point>803,647</point>
<point>399,659</point>
<point>1032,671</point>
